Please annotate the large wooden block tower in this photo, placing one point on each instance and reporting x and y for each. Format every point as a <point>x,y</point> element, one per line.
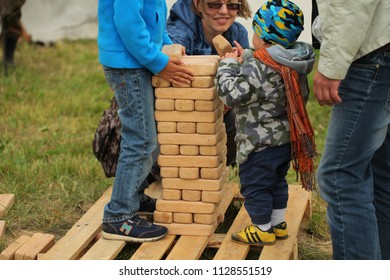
<point>192,158</point>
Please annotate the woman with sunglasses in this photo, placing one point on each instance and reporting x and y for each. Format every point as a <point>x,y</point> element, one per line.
<point>194,23</point>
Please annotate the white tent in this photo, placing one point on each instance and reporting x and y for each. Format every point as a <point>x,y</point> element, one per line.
<point>52,20</point>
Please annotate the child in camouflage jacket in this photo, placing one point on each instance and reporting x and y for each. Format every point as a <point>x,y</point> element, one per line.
<point>257,92</point>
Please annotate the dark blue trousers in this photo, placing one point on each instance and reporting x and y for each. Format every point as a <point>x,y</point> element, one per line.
<point>263,182</point>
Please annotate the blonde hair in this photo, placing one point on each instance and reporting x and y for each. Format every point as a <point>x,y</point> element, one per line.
<point>244,11</point>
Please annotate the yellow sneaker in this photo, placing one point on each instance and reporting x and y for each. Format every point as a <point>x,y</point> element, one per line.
<point>252,235</point>
<point>280,231</point>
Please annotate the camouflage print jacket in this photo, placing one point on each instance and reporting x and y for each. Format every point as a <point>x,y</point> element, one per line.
<point>257,93</point>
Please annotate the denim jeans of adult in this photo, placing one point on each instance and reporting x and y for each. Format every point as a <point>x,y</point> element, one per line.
<point>134,94</point>
<point>263,182</point>
<point>354,172</point>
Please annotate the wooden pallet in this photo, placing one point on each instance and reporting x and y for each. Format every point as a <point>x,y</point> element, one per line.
<point>83,240</point>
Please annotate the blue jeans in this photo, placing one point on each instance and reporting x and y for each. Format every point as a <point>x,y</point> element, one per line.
<point>354,172</point>
<point>263,182</point>
<point>135,96</point>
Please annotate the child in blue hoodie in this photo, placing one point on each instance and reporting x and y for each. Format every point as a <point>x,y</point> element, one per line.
<point>131,35</point>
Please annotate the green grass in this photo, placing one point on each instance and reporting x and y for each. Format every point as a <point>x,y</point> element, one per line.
<point>50,105</point>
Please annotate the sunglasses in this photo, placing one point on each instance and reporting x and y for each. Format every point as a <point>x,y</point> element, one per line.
<point>218,5</point>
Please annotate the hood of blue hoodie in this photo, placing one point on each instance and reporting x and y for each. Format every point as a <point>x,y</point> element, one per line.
<point>181,11</point>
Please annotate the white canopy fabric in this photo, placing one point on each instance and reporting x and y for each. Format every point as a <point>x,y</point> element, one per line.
<point>53,20</point>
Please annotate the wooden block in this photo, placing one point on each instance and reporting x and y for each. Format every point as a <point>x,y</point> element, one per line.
<point>190,229</point>
<point>169,172</point>
<point>214,150</point>
<point>183,85</point>
<point>174,50</point>
<point>203,81</point>
<point>207,105</point>
<point>193,116</point>
<point>221,45</point>
<point>169,149</point>
<point>213,173</point>
<point>186,93</point>
<point>160,82</point>
<point>191,173</point>
<point>154,190</point>
<point>188,139</point>
<point>188,161</point>
<point>2,229</point>
<point>189,150</point>
<point>9,252</point>
<point>163,217</point>
<point>166,127</point>
<point>201,68</point>
<point>184,105</point>
<point>6,203</point>
<point>209,58</point>
<point>186,127</point>
<point>171,194</point>
<point>38,243</point>
<point>165,104</point>
<point>191,195</point>
<point>212,196</point>
<point>184,206</point>
<point>183,218</point>
<point>209,128</point>
<point>200,184</point>
<point>228,192</point>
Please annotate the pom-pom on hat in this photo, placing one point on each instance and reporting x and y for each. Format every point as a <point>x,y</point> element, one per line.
<point>278,22</point>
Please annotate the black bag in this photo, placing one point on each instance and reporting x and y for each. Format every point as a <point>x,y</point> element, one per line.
<point>106,143</point>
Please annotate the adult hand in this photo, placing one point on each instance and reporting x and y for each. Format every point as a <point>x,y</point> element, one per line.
<point>176,73</point>
<point>326,90</point>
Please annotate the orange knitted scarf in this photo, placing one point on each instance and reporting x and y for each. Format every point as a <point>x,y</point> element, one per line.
<point>303,148</point>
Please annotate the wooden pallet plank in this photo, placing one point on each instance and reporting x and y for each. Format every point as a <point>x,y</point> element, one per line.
<point>297,204</point>
<point>41,245</point>
<point>6,202</point>
<point>104,249</point>
<point>9,252</point>
<point>181,250</point>
<point>38,243</point>
<point>154,250</point>
<point>230,250</point>
<point>81,234</point>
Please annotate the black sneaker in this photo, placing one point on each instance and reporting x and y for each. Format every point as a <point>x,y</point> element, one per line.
<point>148,206</point>
<point>135,229</point>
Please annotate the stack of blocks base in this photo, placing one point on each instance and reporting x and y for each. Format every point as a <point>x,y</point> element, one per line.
<point>192,159</point>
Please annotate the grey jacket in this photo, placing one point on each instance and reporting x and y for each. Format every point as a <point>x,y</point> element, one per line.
<point>351,29</point>
<point>257,93</point>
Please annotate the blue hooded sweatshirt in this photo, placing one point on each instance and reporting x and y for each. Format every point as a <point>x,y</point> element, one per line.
<point>131,34</point>
<point>185,28</point>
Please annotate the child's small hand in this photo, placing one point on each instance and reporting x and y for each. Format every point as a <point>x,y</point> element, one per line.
<point>234,55</point>
<point>239,48</point>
